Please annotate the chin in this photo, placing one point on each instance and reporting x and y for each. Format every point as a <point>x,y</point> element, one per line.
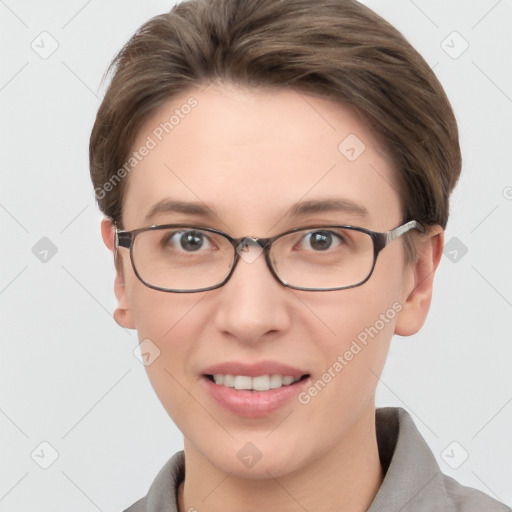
<point>255,460</point>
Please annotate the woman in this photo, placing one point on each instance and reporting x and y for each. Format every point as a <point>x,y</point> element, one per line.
<point>275,177</point>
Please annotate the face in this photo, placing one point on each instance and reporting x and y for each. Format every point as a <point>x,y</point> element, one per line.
<point>249,157</point>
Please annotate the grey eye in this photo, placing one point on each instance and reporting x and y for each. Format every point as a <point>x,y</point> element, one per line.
<point>188,241</point>
<point>321,240</point>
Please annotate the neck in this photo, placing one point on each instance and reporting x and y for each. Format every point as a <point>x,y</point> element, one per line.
<point>346,478</point>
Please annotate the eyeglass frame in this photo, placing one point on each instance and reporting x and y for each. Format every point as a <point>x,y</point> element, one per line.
<point>126,239</point>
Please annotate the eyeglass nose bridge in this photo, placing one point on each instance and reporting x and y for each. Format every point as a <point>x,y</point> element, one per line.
<point>244,245</point>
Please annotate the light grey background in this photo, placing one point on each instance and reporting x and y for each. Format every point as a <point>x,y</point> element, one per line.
<point>68,373</point>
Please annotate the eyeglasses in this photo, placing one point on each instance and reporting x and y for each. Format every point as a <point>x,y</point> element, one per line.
<point>184,258</point>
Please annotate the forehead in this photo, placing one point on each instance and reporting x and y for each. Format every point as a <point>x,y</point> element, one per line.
<point>249,156</point>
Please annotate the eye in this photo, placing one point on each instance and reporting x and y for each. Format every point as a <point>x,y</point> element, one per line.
<point>321,240</point>
<point>188,241</point>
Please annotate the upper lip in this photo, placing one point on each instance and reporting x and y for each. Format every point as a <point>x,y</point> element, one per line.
<point>254,369</point>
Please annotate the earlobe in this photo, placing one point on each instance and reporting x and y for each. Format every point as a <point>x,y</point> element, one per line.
<point>418,285</point>
<point>123,313</point>
<point>124,318</point>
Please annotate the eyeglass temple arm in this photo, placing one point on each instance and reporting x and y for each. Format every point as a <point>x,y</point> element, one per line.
<point>122,238</point>
<point>400,230</point>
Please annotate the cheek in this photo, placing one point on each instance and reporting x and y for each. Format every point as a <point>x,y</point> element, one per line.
<point>159,314</point>
<point>352,332</point>
<point>361,314</point>
<point>354,328</point>
<point>170,322</point>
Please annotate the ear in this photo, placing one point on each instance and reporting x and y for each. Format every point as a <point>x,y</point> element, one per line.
<point>123,313</point>
<point>418,283</point>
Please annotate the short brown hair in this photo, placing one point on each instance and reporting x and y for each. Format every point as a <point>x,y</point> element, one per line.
<point>336,49</point>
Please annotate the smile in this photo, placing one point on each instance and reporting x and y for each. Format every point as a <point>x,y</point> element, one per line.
<point>257,383</point>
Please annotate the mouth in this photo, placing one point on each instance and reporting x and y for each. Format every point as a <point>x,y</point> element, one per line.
<point>257,383</point>
<point>253,390</point>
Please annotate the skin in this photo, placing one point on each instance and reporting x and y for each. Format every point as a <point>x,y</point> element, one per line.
<point>249,155</point>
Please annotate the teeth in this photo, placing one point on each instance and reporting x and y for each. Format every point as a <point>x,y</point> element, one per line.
<point>259,383</point>
<point>243,382</point>
<point>229,381</point>
<point>276,381</point>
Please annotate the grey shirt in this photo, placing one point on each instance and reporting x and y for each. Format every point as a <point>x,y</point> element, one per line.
<point>413,481</point>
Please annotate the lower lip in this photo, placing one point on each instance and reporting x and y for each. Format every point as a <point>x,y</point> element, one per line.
<point>252,404</point>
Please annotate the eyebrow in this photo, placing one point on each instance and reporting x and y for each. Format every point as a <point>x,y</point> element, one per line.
<point>300,209</point>
<point>172,206</point>
<point>327,205</point>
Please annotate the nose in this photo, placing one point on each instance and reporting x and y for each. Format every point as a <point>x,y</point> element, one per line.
<point>253,305</point>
